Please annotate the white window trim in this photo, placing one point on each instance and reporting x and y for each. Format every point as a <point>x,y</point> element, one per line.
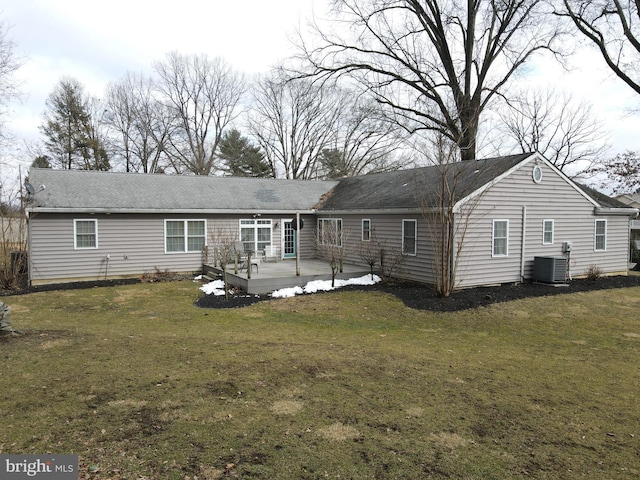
<point>368,230</point>
<point>595,236</point>
<point>185,234</point>
<point>415,240</point>
<point>75,233</point>
<point>493,239</point>
<point>553,231</point>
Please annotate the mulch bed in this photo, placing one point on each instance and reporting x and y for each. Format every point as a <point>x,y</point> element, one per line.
<point>413,295</point>
<point>422,297</point>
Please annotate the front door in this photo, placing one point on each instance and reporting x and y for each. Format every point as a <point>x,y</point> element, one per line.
<point>289,239</point>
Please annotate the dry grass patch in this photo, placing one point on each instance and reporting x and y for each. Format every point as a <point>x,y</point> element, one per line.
<point>415,411</point>
<point>287,407</point>
<point>49,344</point>
<point>339,432</point>
<point>449,440</point>
<point>125,403</point>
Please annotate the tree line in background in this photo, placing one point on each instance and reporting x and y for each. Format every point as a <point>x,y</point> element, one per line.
<point>182,120</point>
<point>355,100</point>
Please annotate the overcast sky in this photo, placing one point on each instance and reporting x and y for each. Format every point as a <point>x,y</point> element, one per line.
<point>98,42</point>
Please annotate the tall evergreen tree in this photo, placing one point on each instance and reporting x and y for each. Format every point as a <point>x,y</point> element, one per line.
<point>71,137</point>
<point>241,159</point>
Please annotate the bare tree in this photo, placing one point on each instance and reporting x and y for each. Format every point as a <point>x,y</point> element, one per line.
<point>9,65</point>
<point>13,238</point>
<point>564,132</point>
<point>612,27</point>
<point>204,95</point>
<point>435,63</point>
<point>621,173</point>
<point>330,244</point>
<point>365,142</point>
<point>223,243</point>
<point>391,259</point>
<point>141,124</point>
<point>447,220</point>
<point>293,121</point>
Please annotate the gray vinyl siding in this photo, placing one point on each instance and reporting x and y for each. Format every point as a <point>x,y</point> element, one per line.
<point>551,199</point>
<point>135,244</point>
<point>386,230</point>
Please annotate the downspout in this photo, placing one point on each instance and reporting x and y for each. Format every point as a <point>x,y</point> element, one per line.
<point>29,264</point>
<point>454,257</point>
<point>523,242</point>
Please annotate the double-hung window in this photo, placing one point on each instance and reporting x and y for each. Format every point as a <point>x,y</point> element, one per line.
<point>500,243</point>
<point>85,234</point>
<point>600,240</point>
<point>330,231</point>
<point>409,237</point>
<point>366,230</point>
<point>547,232</point>
<point>184,235</point>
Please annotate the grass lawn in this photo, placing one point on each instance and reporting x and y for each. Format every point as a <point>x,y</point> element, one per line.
<point>144,385</point>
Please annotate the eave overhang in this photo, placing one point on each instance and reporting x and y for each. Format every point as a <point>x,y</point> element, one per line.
<point>177,211</point>
<point>620,212</point>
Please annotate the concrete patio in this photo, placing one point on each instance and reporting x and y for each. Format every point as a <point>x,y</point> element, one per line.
<point>267,277</point>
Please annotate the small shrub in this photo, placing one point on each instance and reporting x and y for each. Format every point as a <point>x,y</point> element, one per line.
<point>593,272</point>
<point>160,276</point>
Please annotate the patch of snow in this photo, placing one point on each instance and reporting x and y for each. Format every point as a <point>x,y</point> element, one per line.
<point>216,287</point>
<point>325,286</point>
<point>287,292</point>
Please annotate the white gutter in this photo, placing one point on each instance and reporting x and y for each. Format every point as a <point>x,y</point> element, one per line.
<point>622,212</point>
<point>379,211</point>
<point>192,211</point>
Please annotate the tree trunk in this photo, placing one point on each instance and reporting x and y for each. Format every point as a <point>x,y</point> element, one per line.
<point>469,117</point>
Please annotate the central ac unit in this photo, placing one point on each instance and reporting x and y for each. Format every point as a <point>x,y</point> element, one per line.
<point>550,269</point>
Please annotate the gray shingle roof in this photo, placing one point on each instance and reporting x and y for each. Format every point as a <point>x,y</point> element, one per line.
<point>108,191</point>
<point>604,200</point>
<point>416,188</point>
<point>90,191</point>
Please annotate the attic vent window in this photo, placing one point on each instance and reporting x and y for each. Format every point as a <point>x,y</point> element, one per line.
<point>537,174</point>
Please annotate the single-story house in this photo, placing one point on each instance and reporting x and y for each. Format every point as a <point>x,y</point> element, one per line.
<point>499,215</point>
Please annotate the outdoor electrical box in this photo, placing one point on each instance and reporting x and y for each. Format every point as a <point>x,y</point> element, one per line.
<point>550,269</point>
<point>566,247</point>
